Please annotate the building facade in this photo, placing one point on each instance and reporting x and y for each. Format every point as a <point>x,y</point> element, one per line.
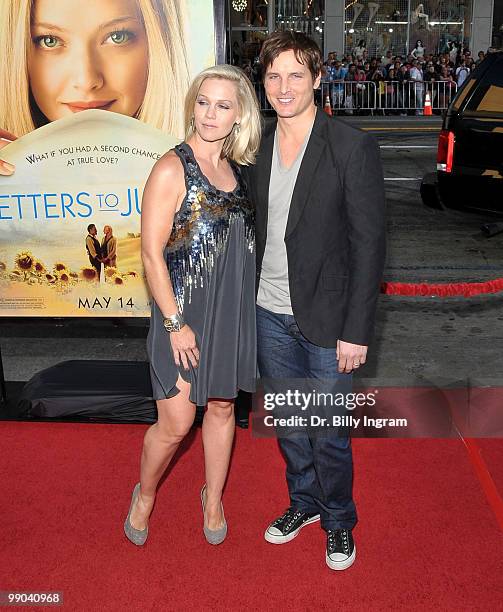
<point>381,26</point>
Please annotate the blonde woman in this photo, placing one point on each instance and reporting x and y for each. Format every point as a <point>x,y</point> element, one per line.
<point>109,247</point>
<point>198,251</point>
<point>64,56</point>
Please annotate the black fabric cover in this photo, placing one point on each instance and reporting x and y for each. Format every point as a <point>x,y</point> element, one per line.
<point>107,391</point>
<point>95,390</point>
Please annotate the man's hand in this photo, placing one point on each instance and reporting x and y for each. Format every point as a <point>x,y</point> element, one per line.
<point>350,356</point>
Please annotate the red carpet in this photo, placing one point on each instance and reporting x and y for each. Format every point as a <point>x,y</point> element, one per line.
<point>427,536</point>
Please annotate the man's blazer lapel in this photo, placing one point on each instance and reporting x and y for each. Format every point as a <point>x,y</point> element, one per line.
<point>263,179</point>
<point>306,175</point>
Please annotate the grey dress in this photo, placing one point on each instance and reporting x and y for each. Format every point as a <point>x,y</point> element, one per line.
<point>211,262</point>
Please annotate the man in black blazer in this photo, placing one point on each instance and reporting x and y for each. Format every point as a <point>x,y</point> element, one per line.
<point>320,239</point>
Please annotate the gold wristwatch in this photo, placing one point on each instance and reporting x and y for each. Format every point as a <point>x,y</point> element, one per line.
<point>174,323</point>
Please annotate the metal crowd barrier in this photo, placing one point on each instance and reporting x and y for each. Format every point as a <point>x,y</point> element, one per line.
<point>346,97</point>
<point>392,96</point>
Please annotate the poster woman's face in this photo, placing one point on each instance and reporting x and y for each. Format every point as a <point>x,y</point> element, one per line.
<point>90,54</point>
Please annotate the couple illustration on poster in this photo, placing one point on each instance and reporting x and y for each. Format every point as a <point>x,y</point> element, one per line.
<point>104,253</point>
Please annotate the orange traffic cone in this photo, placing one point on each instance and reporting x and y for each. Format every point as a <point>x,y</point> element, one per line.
<point>328,107</point>
<point>427,104</point>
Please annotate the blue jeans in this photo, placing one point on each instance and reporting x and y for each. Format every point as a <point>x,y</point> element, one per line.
<point>319,469</point>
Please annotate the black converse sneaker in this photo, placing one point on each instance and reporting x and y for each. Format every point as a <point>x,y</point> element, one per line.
<point>287,526</point>
<point>341,549</point>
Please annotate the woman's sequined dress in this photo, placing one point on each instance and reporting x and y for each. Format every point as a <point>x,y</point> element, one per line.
<point>211,261</point>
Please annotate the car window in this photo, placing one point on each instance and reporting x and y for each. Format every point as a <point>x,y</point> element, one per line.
<point>488,97</point>
<point>492,100</point>
<point>468,86</point>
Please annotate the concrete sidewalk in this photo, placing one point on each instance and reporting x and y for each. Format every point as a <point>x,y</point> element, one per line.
<point>393,123</point>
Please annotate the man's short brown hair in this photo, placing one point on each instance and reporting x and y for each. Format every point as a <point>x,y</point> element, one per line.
<point>306,50</point>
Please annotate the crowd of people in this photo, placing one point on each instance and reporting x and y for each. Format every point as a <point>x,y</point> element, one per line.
<point>399,83</point>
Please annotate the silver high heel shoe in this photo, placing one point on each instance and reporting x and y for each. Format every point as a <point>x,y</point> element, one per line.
<point>137,536</point>
<point>213,536</point>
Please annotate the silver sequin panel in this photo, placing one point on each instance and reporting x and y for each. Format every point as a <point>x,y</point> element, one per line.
<point>201,228</point>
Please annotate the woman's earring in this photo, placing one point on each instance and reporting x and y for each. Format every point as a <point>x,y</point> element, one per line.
<point>237,128</point>
<point>192,123</point>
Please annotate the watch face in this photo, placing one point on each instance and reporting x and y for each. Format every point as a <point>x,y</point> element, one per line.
<point>171,326</point>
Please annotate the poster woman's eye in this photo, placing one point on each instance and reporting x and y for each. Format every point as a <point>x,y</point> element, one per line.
<point>47,41</point>
<point>120,37</point>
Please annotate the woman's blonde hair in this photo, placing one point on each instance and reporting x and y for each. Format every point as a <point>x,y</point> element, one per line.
<point>241,144</point>
<point>168,70</point>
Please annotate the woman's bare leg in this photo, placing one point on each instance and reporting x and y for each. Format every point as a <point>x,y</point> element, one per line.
<point>175,418</point>
<point>218,434</point>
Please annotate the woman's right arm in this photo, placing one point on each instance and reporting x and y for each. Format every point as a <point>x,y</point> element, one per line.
<point>164,191</point>
<point>6,138</point>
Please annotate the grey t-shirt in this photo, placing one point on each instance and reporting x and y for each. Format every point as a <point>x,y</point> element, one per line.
<point>274,291</point>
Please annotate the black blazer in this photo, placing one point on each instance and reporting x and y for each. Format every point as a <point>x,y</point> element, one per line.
<point>335,234</point>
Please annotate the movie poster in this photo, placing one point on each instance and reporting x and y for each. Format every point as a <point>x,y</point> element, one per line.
<point>92,96</point>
